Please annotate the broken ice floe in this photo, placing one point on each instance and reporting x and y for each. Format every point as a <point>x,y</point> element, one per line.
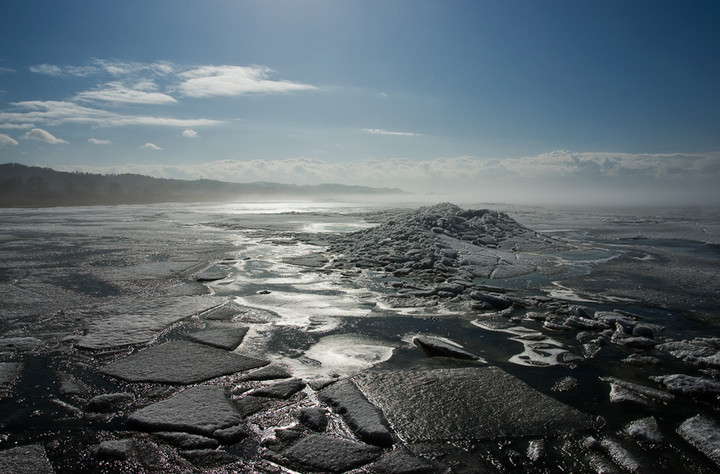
<point>213,273</point>
<point>443,347</point>
<point>9,372</point>
<point>25,459</point>
<point>689,385</point>
<point>700,351</point>
<point>645,430</point>
<point>201,410</point>
<point>704,434</point>
<point>130,321</point>
<point>223,337</point>
<point>622,391</point>
<point>483,403</point>
<point>179,362</point>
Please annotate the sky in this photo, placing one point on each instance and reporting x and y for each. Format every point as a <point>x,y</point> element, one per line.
<point>517,101</point>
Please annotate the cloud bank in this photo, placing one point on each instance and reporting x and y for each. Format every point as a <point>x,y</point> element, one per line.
<point>556,177</point>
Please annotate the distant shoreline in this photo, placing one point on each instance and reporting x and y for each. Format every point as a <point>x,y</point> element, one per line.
<point>31,186</point>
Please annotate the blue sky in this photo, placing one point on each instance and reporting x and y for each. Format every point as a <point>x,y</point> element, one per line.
<point>585,100</point>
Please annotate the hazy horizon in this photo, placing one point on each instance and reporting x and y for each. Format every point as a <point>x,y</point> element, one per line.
<point>562,102</point>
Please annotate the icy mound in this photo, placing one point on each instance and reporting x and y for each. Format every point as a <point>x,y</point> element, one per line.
<point>441,240</point>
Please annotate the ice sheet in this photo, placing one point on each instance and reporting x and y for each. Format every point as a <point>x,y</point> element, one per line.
<point>342,354</point>
<point>315,312</point>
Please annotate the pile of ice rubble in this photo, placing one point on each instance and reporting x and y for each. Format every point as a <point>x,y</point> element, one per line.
<point>438,251</point>
<point>445,242</point>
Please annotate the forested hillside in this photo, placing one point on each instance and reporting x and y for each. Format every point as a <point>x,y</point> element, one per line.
<point>30,186</point>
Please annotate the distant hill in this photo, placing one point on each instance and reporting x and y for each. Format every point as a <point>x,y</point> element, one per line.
<point>32,186</point>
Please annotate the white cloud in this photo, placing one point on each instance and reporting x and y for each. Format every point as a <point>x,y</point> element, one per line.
<point>150,146</point>
<point>98,141</point>
<point>378,131</point>
<point>62,112</point>
<point>105,67</point>
<point>123,68</point>
<point>159,121</point>
<point>47,69</point>
<point>189,133</point>
<point>6,140</point>
<point>17,126</point>
<point>43,136</point>
<point>213,81</point>
<point>4,69</point>
<point>117,92</point>
<point>144,84</point>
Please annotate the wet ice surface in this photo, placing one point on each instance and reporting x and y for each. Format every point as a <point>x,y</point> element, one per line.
<point>602,311</point>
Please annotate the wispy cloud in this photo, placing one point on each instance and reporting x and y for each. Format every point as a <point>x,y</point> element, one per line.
<point>378,131</point>
<point>43,136</point>
<point>47,69</point>
<point>98,141</point>
<point>118,92</point>
<point>17,126</point>
<point>214,81</point>
<point>6,140</point>
<point>189,133</point>
<point>150,146</point>
<point>4,70</point>
<point>104,67</point>
<point>62,112</point>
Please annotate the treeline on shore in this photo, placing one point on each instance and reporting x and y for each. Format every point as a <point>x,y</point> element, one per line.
<point>32,186</point>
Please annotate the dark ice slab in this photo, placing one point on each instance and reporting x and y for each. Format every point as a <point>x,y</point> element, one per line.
<point>20,344</point>
<point>180,362</point>
<point>326,454</point>
<point>269,372</point>
<point>365,420</point>
<point>9,372</point>
<point>436,347</point>
<point>313,260</point>
<point>188,440</point>
<point>212,273</point>
<point>200,410</point>
<point>224,338</point>
<point>225,312</point>
<point>402,462</point>
<point>483,403</point>
<point>127,321</point>
<point>284,389</point>
<point>704,435</point>
<point>29,459</point>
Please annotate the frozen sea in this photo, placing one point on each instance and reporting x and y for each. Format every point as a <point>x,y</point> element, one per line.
<point>83,286</point>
